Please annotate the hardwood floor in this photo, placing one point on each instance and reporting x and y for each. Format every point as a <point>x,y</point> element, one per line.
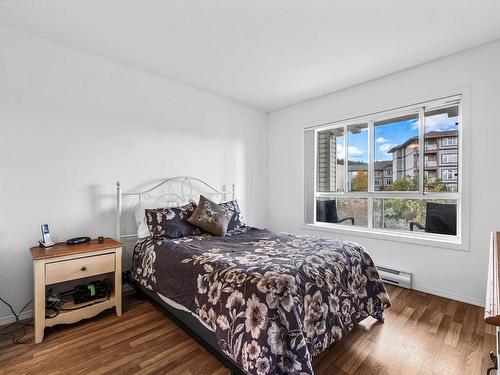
<point>422,334</point>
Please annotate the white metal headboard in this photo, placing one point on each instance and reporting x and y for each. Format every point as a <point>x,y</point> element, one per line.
<point>177,196</point>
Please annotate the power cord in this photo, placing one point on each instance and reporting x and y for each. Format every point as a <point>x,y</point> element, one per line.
<point>16,339</point>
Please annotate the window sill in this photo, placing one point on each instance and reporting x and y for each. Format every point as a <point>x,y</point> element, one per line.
<point>433,240</point>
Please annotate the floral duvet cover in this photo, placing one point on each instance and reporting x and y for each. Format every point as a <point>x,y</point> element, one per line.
<point>273,300</point>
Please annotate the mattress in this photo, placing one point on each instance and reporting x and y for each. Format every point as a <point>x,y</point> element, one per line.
<point>179,307</point>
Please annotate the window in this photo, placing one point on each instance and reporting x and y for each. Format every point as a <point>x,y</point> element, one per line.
<point>441,127</point>
<point>449,141</point>
<point>430,176</point>
<point>330,156</point>
<point>430,145</point>
<point>430,160</point>
<point>449,158</point>
<point>357,157</point>
<point>449,174</point>
<point>401,167</point>
<point>396,145</point>
<point>399,214</point>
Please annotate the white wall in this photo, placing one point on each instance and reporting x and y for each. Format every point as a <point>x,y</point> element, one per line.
<point>71,124</point>
<point>452,273</point>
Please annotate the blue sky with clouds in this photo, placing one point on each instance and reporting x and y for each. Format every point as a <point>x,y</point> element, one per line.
<point>390,135</point>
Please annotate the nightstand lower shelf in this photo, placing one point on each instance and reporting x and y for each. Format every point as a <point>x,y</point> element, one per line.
<point>85,312</point>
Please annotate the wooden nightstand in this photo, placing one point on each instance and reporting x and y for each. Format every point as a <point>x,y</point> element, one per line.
<point>61,263</point>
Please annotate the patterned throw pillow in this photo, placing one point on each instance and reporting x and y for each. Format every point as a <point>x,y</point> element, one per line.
<point>237,220</point>
<point>211,217</point>
<point>171,222</point>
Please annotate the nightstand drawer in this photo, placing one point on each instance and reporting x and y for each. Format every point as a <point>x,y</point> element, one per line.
<point>78,268</point>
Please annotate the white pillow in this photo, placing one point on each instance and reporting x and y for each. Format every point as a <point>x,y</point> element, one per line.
<point>140,217</point>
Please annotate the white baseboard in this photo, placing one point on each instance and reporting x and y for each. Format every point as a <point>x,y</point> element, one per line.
<point>450,295</point>
<point>11,318</point>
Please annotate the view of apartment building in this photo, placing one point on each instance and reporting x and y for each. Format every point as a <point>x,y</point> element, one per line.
<point>440,162</point>
<point>330,176</point>
<point>440,158</point>
<point>382,175</point>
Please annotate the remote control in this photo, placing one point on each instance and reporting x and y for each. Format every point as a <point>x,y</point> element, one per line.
<point>77,240</point>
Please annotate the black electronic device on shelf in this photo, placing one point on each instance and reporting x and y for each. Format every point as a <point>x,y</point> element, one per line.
<point>94,290</point>
<point>77,240</point>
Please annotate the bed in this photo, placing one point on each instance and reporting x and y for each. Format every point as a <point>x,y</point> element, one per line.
<point>262,302</point>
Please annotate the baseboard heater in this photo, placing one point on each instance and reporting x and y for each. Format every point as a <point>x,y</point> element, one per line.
<point>395,277</point>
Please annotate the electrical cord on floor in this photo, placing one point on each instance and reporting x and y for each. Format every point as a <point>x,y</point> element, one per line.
<point>19,325</point>
<point>11,329</point>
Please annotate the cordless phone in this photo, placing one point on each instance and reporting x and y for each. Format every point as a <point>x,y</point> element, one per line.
<point>45,241</point>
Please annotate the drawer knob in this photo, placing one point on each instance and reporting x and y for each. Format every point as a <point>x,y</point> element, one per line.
<point>83,268</point>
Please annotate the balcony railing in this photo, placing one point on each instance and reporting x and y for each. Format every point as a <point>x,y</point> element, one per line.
<point>431,146</point>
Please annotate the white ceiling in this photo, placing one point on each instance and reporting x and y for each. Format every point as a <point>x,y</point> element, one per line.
<point>265,53</point>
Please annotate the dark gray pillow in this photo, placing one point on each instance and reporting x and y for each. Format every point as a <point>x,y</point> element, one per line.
<point>236,221</point>
<point>211,217</point>
<point>171,221</point>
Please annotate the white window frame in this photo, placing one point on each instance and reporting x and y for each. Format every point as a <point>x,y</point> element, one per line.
<point>459,242</point>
